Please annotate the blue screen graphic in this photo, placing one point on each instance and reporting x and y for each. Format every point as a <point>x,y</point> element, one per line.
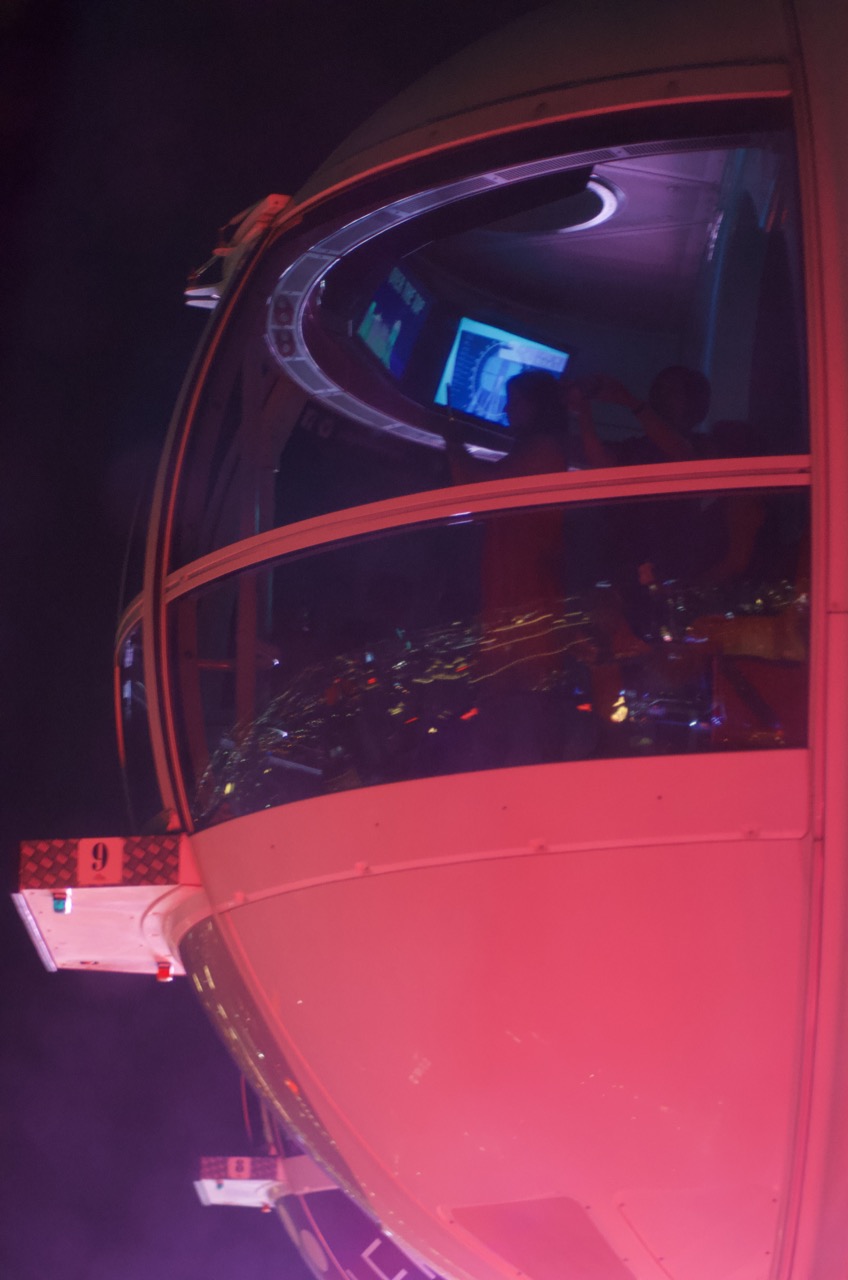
<point>393,320</point>
<point>482,360</point>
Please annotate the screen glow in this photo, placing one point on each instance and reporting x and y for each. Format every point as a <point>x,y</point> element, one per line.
<point>481,362</point>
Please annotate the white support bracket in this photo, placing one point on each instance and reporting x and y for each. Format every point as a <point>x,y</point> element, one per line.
<point>107,902</point>
<point>257,1182</point>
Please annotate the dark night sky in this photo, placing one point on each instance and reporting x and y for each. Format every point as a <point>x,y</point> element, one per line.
<point>129,131</point>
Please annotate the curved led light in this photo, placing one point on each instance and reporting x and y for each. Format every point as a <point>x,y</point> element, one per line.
<point>610,199</point>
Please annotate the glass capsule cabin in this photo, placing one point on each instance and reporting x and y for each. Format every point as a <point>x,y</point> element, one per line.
<point>490,653</point>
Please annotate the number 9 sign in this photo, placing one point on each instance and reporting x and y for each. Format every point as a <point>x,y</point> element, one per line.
<point>100,861</point>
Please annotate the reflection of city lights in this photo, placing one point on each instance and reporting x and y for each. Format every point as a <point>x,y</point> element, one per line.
<point>430,676</point>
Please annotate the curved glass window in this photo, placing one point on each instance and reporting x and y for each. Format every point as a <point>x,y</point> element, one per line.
<point>643,626</point>
<point>648,296</point>
<point>135,750</point>
<point>244,1029</point>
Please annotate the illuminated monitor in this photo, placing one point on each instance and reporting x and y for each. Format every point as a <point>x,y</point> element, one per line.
<point>393,320</point>
<point>481,362</point>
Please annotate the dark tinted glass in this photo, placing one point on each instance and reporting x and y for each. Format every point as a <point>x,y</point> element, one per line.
<point>143,798</point>
<point>630,628</point>
<point>649,298</point>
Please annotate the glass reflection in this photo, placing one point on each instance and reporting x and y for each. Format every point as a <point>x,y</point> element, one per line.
<point>244,1029</point>
<point>549,634</point>
<point>673,328</point>
<point>136,752</point>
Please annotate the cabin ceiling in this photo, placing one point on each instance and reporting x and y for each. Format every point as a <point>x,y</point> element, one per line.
<point>638,268</point>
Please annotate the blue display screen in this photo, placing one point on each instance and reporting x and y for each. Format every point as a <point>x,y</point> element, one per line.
<point>393,320</point>
<point>481,362</point>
